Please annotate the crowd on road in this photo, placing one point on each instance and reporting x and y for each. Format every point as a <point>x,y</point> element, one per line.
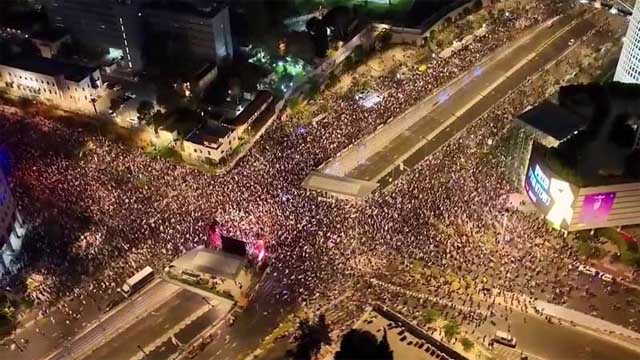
<point>347,121</point>
<point>101,211</point>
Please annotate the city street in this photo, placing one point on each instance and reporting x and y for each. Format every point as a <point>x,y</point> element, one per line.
<point>544,340</point>
<point>180,313</point>
<point>263,314</point>
<point>115,322</point>
<point>440,240</point>
<point>39,337</point>
<point>424,128</point>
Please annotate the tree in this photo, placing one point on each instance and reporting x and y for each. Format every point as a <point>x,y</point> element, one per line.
<point>451,330</point>
<point>317,31</point>
<point>382,39</point>
<point>358,54</point>
<point>311,337</point>
<point>66,51</point>
<point>235,89</point>
<point>339,18</point>
<point>301,45</point>
<point>467,344</point>
<point>314,88</point>
<point>167,96</point>
<point>115,104</point>
<point>145,107</point>
<point>156,120</point>
<point>359,344</point>
<point>430,315</point>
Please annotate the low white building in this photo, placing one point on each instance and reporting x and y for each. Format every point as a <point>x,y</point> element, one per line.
<point>210,143</point>
<point>67,86</point>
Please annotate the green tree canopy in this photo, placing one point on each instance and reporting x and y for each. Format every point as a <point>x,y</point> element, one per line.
<point>145,107</point>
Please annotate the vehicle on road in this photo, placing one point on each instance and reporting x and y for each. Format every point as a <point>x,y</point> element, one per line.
<point>572,41</point>
<point>606,277</point>
<point>505,338</point>
<point>587,270</point>
<point>137,281</point>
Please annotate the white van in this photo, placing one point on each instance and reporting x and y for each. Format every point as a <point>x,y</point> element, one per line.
<point>504,338</point>
<point>587,270</point>
<point>606,277</point>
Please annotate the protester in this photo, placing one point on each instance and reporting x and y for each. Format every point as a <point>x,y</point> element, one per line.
<point>101,211</point>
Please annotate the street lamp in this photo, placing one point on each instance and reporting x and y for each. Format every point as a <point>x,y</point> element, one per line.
<point>207,301</point>
<point>144,353</point>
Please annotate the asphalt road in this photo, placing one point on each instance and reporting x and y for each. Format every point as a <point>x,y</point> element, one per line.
<point>212,317</point>
<point>45,334</point>
<point>450,110</point>
<point>115,322</point>
<point>258,320</point>
<point>541,339</point>
<point>159,323</point>
<point>602,306</point>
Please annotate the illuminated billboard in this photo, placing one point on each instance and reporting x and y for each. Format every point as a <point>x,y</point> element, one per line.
<point>596,207</point>
<point>588,204</point>
<point>553,196</point>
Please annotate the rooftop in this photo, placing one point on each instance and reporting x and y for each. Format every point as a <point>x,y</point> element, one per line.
<point>263,98</point>
<point>589,137</point>
<point>51,67</point>
<point>183,121</point>
<point>214,262</point>
<point>553,120</point>
<point>207,10</point>
<point>50,35</point>
<point>209,135</point>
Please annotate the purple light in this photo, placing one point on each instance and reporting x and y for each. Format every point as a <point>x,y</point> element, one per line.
<point>596,207</point>
<point>443,96</point>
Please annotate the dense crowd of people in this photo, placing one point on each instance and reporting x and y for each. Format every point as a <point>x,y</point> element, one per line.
<point>100,211</point>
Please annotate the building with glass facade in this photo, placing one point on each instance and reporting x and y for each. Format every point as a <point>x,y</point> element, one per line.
<point>12,230</point>
<point>628,69</point>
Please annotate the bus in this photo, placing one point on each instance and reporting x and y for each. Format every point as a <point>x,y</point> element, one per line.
<point>137,281</point>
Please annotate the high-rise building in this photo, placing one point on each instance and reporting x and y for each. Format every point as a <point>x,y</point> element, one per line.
<point>12,229</point>
<point>113,25</point>
<point>205,30</point>
<point>119,26</point>
<point>628,69</point>
<point>577,160</point>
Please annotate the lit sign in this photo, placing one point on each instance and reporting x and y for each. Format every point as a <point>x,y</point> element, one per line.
<point>596,207</point>
<point>553,196</point>
<point>538,186</point>
<point>562,200</point>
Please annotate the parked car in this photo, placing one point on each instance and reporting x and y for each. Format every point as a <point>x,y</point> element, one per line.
<point>505,338</point>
